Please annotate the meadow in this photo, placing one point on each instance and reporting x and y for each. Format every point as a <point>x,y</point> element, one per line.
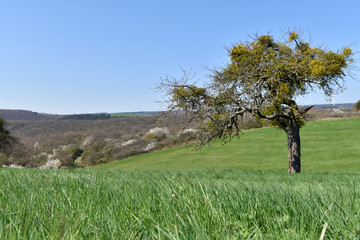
<point>177,204</point>
<point>326,146</point>
<point>240,190</point>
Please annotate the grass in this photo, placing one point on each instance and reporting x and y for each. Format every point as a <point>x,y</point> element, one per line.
<point>177,204</point>
<point>327,146</point>
<point>217,203</point>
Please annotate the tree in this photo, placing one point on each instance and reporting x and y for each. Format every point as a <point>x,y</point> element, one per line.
<point>263,77</point>
<point>357,106</point>
<point>6,140</point>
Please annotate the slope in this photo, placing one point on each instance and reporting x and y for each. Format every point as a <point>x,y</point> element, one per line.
<point>327,146</point>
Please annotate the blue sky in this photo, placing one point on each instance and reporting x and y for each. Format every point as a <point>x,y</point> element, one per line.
<point>107,56</point>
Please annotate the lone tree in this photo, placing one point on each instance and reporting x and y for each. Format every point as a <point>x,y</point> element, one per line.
<point>263,78</point>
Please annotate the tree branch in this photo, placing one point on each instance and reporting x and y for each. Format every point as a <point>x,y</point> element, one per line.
<point>274,116</point>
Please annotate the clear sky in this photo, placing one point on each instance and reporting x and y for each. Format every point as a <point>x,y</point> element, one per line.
<point>85,56</point>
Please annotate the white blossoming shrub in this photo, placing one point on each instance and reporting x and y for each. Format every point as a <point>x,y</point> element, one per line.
<point>51,164</point>
<point>337,113</point>
<point>87,141</point>
<point>52,160</point>
<point>157,134</point>
<point>151,146</point>
<point>128,143</point>
<point>12,166</point>
<point>158,130</point>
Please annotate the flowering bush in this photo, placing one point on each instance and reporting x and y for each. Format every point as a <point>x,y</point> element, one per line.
<point>157,134</point>
<point>130,142</point>
<point>151,146</point>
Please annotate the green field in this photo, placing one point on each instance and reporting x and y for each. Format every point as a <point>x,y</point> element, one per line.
<point>177,204</point>
<point>133,114</point>
<point>237,191</point>
<point>327,146</point>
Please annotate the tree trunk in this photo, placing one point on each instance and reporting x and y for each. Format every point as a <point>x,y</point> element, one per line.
<point>293,138</point>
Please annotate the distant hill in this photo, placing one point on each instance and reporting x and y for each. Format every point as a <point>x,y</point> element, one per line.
<point>332,106</point>
<point>89,116</point>
<point>25,115</point>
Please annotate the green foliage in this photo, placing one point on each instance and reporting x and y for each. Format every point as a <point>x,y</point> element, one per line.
<point>189,97</point>
<point>177,204</point>
<point>272,73</point>
<point>293,36</point>
<point>216,127</point>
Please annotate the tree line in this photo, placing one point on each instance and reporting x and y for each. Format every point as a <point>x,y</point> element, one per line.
<point>87,116</point>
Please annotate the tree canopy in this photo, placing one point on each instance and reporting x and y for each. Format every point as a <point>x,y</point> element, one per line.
<point>264,77</point>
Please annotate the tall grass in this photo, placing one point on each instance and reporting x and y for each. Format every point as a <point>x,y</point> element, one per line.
<point>177,204</point>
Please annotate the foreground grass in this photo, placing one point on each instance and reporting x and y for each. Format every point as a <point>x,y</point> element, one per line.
<point>177,204</point>
<point>326,146</point>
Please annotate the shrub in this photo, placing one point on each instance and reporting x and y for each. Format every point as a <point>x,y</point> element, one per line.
<point>51,164</point>
<point>189,134</point>
<point>90,156</point>
<point>129,142</point>
<point>256,123</point>
<point>3,159</point>
<point>20,155</point>
<point>151,146</point>
<point>156,134</point>
<point>38,160</point>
